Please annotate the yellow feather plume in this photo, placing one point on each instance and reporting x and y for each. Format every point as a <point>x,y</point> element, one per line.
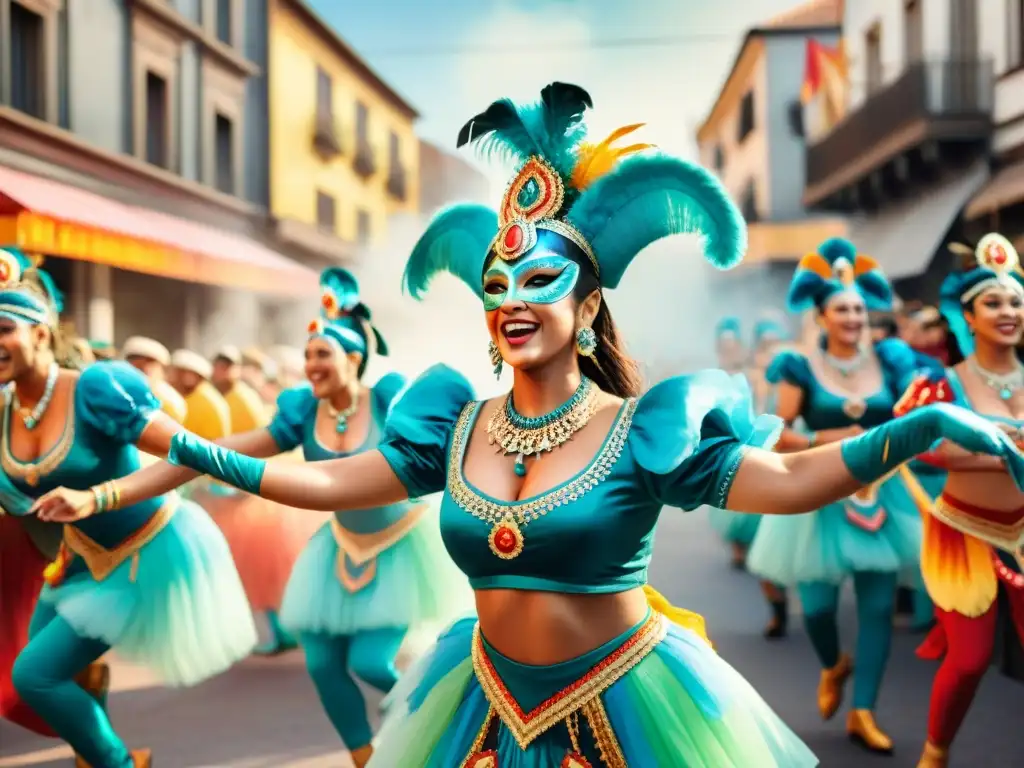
<point>595,160</point>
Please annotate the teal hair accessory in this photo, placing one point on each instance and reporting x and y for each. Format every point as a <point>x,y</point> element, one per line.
<point>609,202</point>
<point>996,263</point>
<point>728,327</point>
<point>836,267</point>
<point>770,328</point>
<point>344,318</point>
<point>20,299</point>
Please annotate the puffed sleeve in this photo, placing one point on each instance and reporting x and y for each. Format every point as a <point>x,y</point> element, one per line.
<point>295,407</point>
<point>387,389</point>
<point>901,364</point>
<point>116,399</point>
<point>790,367</point>
<point>418,431</point>
<point>689,434</point>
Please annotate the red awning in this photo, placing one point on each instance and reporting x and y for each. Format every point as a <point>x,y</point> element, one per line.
<point>44,216</point>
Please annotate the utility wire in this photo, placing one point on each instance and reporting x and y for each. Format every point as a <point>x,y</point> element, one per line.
<point>552,46</point>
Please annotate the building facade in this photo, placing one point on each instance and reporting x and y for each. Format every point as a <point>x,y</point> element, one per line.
<point>912,148</point>
<point>344,157</point>
<point>134,157</point>
<point>753,140</point>
<point>446,178</point>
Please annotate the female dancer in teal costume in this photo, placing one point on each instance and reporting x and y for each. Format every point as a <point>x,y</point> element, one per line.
<point>874,536</point>
<point>568,664</point>
<point>739,529</point>
<point>154,579</point>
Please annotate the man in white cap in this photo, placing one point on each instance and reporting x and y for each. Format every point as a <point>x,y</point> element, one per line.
<point>152,358</point>
<point>207,412</point>
<point>248,412</point>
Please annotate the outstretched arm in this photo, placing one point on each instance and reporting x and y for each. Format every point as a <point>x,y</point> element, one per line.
<point>769,483</point>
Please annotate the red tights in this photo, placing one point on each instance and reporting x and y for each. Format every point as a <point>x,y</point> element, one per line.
<point>967,644</point>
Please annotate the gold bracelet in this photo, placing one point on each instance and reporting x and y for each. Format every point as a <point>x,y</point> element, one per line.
<point>115,496</point>
<point>99,497</point>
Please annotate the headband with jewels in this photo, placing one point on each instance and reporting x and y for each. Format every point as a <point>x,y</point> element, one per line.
<point>996,264</point>
<point>607,202</point>
<point>27,293</point>
<point>836,267</point>
<point>343,317</point>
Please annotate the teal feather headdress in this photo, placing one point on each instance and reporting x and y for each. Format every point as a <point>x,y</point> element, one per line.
<point>769,328</point>
<point>728,327</point>
<point>607,209</point>
<point>27,293</point>
<point>995,263</point>
<point>835,267</point>
<point>344,318</point>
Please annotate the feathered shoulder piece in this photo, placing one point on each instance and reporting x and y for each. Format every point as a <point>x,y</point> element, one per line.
<point>834,267</point>
<point>610,200</point>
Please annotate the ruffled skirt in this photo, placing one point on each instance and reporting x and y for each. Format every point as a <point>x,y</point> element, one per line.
<point>656,696</point>
<point>414,582</point>
<point>879,532</point>
<point>178,608</point>
<point>734,527</point>
<point>265,538</point>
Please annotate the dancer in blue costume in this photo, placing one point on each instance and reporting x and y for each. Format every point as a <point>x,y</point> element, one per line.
<point>154,579</point>
<point>740,529</point>
<point>873,537</point>
<point>573,661</point>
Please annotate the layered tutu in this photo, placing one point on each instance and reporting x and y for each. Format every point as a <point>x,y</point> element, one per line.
<point>21,580</point>
<point>734,527</point>
<point>415,583</point>
<point>265,538</point>
<point>178,608</point>
<point>673,703</point>
<point>882,533</point>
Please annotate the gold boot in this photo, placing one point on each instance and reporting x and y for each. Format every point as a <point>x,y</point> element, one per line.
<point>362,756</point>
<point>862,728</point>
<point>933,756</point>
<point>141,758</point>
<point>830,687</point>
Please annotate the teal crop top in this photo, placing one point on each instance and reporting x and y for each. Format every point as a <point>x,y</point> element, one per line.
<point>294,425</point>
<point>679,445</point>
<point>111,406</point>
<point>824,408</point>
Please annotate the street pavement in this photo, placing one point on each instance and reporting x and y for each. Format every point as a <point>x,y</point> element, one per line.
<point>265,714</point>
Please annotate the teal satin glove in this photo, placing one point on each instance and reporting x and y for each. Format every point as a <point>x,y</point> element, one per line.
<point>878,451</point>
<point>243,472</point>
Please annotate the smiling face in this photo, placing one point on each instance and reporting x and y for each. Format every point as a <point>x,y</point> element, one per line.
<point>844,317</point>
<point>531,305</point>
<point>21,347</point>
<point>996,317</point>
<point>328,368</point>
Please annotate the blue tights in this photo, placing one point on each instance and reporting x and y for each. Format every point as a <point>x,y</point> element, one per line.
<point>876,600</point>
<point>44,675</point>
<point>334,661</point>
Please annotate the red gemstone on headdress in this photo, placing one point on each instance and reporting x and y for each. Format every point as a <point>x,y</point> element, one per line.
<point>514,238</point>
<point>999,257</point>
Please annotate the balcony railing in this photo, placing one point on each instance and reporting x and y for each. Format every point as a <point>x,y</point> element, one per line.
<point>931,100</point>
<point>365,160</point>
<point>327,135</point>
<point>397,182</point>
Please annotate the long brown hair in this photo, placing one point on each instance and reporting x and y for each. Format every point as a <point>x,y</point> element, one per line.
<point>610,367</point>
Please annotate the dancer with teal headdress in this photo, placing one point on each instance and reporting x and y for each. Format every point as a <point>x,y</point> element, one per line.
<point>872,537</point>
<point>732,355</point>
<point>153,579</point>
<point>573,660</point>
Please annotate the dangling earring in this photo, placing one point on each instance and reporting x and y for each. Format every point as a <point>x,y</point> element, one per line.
<point>496,361</point>
<point>586,341</point>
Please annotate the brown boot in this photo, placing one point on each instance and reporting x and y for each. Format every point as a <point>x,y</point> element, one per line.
<point>361,756</point>
<point>141,758</point>
<point>862,728</point>
<point>95,680</point>
<point>933,756</point>
<point>830,687</point>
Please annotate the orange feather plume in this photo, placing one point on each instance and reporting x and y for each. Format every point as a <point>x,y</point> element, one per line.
<point>595,160</point>
<point>816,263</point>
<point>864,264</point>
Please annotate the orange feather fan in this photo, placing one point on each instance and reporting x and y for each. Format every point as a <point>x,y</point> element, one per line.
<point>864,264</point>
<point>595,160</point>
<point>816,263</point>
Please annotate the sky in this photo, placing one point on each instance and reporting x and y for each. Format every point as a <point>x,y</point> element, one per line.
<point>451,58</point>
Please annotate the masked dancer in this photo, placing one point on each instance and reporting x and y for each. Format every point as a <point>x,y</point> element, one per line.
<point>974,531</point>
<point>573,662</point>
<point>152,579</point>
<point>873,537</point>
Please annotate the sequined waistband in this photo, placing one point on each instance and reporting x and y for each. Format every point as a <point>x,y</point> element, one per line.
<point>101,561</point>
<point>360,550</point>
<point>1004,530</point>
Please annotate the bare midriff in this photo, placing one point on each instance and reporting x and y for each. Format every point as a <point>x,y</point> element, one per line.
<point>990,490</point>
<point>533,627</point>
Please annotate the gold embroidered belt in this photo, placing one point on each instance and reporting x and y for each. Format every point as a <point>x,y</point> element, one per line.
<point>362,549</point>
<point>582,697</point>
<point>101,561</point>
<point>1004,530</point>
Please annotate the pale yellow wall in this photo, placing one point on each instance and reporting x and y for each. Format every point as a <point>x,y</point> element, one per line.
<point>748,160</point>
<point>296,171</point>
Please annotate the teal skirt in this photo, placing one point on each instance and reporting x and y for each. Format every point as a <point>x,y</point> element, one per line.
<point>734,527</point>
<point>414,582</point>
<point>180,610</point>
<point>656,696</point>
<point>881,534</point>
